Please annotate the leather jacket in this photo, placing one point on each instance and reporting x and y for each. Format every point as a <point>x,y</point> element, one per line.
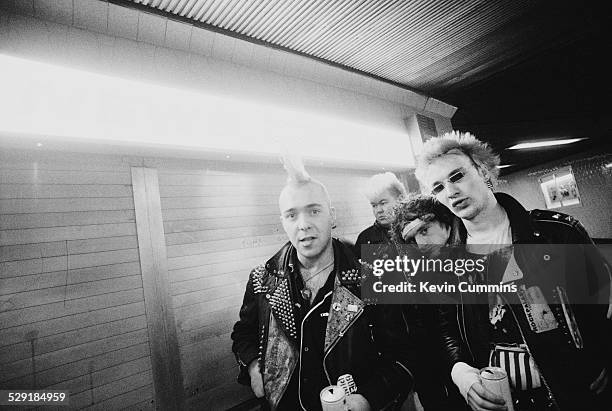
<point>367,341</point>
<point>566,369</point>
<point>378,237</point>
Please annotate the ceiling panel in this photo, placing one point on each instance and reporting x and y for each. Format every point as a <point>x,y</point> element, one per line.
<point>516,69</point>
<point>400,41</point>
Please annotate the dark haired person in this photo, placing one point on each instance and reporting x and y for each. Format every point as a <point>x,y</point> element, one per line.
<point>422,221</point>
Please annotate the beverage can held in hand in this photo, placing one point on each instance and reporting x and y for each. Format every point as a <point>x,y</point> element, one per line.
<point>495,380</point>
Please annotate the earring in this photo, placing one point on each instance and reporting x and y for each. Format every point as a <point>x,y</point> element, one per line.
<point>489,183</point>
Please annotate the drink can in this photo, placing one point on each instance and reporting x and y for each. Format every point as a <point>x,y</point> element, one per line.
<point>495,380</point>
<point>333,398</point>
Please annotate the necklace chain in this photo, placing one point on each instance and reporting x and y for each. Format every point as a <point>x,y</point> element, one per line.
<point>318,272</point>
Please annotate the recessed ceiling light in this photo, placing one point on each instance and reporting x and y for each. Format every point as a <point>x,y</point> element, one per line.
<point>545,143</point>
<point>228,156</point>
<point>38,144</point>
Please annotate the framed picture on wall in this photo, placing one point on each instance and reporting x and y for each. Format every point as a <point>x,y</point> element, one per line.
<point>559,188</point>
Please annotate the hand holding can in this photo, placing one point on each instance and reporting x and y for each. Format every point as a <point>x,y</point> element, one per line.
<point>495,380</point>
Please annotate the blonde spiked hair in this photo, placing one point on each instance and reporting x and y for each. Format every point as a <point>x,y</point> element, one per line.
<point>379,183</point>
<point>479,152</point>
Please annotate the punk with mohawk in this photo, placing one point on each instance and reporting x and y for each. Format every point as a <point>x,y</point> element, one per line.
<point>303,325</point>
<point>298,176</point>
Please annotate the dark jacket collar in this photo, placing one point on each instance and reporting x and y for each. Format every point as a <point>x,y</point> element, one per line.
<point>384,231</point>
<point>520,220</point>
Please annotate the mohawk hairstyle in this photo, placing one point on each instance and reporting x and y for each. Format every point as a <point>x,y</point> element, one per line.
<point>297,174</point>
<point>417,206</point>
<point>294,166</point>
<point>479,152</point>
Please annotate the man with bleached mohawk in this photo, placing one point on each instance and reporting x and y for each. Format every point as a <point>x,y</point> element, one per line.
<point>303,325</point>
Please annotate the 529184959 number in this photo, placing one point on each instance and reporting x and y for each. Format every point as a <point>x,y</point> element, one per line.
<point>34,397</point>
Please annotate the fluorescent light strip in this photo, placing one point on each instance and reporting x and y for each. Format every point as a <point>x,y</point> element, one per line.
<point>504,166</point>
<point>48,100</point>
<point>546,143</point>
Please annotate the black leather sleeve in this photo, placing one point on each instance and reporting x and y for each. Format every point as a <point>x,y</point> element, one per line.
<point>450,338</point>
<point>245,335</point>
<point>586,264</point>
<point>598,273</point>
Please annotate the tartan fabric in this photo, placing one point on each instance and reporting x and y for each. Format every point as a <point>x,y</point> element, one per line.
<point>519,366</point>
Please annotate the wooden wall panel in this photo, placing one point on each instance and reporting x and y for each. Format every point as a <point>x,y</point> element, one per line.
<point>72,312</point>
<point>19,333</point>
<point>20,191</point>
<point>166,370</point>
<point>220,220</point>
<point>63,340</point>
<point>73,309</point>
<point>82,232</point>
<point>34,220</point>
<point>98,363</point>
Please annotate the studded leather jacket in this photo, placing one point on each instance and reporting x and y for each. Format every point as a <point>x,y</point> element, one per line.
<point>566,365</point>
<point>368,342</point>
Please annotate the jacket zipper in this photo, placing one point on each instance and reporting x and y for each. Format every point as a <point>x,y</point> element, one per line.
<point>333,344</point>
<point>340,335</point>
<point>301,341</point>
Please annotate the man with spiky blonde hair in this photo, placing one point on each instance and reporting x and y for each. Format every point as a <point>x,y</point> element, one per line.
<point>553,335</point>
<point>303,325</point>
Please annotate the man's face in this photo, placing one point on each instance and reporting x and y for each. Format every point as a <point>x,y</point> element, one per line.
<point>457,184</point>
<point>432,232</point>
<point>307,219</point>
<point>382,207</point>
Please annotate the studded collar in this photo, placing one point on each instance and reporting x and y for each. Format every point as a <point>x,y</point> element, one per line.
<point>282,285</point>
<point>284,262</point>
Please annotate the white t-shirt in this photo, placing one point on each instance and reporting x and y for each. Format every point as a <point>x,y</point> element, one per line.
<point>462,374</point>
<point>488,242</point>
